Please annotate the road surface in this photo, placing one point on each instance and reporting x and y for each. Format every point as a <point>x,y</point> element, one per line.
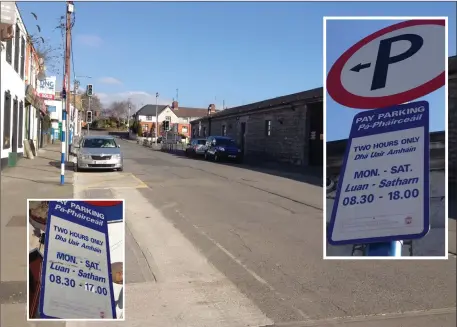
<point>211,244</point>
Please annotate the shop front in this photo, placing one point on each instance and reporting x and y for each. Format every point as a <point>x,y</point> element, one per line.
<point>35,113</point>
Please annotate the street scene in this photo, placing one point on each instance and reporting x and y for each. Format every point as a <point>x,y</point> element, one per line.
<point>213,135</point>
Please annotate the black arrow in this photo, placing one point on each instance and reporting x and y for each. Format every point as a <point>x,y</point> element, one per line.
<point>359,67</point>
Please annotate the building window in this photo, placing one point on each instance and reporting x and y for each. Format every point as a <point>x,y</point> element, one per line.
<point>22,57</point>
<point>7,122</point>
<point>267,127</point>
<point>9,51</point>
<point>184,129</point>
<point>16,48</point>
<point>224,130</point>
<point>144,127</point>
<point>168,118</point>
<point>204,131</point>
<point>21,124</point>
<point>148,117</point>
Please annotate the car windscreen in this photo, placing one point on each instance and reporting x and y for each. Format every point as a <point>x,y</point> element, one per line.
<point>99,143</point>
<point>201,142</point>
<point>225,142</point>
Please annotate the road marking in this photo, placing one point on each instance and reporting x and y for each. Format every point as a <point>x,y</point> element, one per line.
<point>345,321</point>
<point>189,289</point>
<point>143,184</point>
<point>236,260</point>
<point>106,178</point>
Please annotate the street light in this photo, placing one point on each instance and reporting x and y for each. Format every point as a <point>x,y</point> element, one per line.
<point>128,117</point>
<point>76,85</point>
<point>157,119</point>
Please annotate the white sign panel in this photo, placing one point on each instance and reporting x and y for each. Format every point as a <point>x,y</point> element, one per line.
<point>47,88</point>
<point>383,193</point>
<point>76,274</point>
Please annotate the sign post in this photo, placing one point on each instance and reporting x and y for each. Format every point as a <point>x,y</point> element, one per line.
<point>383,192</point>
<point>76,278</point>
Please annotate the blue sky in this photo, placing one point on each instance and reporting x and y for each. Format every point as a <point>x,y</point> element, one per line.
<point>237,52</point>
<point>339,118</point>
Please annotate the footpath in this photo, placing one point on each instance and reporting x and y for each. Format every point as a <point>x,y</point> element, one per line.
<point>36,178</point>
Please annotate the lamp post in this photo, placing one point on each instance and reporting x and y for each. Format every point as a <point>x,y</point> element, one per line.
<point>76,84</point>
<point>157,119</point>
<point>128,117</point>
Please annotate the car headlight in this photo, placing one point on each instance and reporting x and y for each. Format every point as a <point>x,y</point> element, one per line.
<point>239,151</point>
<point>85,157</point>
<point>221,149</point>
<point>116,156</point>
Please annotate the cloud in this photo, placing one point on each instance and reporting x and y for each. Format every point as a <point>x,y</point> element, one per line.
<point>89,40</point>
<point>109,80</point>
<point>137,98</point>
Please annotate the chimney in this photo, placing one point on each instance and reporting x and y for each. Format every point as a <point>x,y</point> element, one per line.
<point>212,108</point>
<point>174,105</point>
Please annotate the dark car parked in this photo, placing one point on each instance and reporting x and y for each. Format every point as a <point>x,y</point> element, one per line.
<point>222,148</point>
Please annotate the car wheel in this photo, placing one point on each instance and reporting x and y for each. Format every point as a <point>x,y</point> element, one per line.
<point>206,156</point>
<point>75,167</point>
<point>216,157</point>
<point>121,169</point>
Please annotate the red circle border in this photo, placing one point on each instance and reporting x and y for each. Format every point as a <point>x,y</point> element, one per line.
<point>348,99</point>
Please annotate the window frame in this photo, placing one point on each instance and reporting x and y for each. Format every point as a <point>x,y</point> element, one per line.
<point>9,51</point>
<point>17,48</point>
<point>22,68</point>
<point>267,127</point>
<point>8,97</point>
<point>20,138</point>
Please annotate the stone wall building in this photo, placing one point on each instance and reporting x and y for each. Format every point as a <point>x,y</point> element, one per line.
<point>287,129</point>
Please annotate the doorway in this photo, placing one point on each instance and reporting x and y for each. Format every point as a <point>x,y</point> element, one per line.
<point>14,139</point>
<point>243,137</point>
<point>316,133</point>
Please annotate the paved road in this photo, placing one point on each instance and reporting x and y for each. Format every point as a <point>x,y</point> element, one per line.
<point>221,245</point>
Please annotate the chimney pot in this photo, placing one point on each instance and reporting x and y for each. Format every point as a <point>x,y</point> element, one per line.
<point>174,105</point>
<point>212,108</point>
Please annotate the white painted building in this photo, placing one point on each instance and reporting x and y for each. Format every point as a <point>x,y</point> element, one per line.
<point>179,117</point>
<point>12,92</point>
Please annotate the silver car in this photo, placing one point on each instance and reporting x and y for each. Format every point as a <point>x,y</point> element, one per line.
<point>98,152</point>
<point>196,147</point>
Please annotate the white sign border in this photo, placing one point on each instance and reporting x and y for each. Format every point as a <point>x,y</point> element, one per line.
<point>446,150</point>
<point>28,263</point>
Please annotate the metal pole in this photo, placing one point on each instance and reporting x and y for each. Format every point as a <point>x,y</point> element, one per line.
<point>128,117</point>
<point>68,72</point>
<point>63,138</point>
<point>86,118</point>
<point>157,118</point>
<point>384,249</point>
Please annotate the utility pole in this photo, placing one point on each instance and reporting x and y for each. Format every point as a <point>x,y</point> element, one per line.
<point>66,89</point>
<point>157,118</point>
<point>70,9</point>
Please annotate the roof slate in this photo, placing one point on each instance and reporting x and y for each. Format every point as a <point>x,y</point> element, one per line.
<point>181,112</point>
